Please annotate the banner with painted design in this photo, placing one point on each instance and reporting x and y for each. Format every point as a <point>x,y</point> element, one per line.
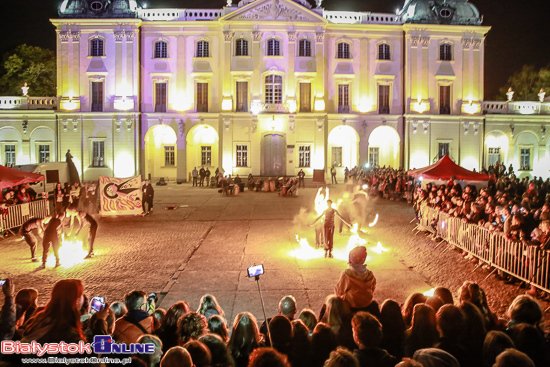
<point>120,196</point>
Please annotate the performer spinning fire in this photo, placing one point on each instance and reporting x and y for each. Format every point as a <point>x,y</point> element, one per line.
<point>51,237</point>
<point>329,226</point>
<point>84,220</point>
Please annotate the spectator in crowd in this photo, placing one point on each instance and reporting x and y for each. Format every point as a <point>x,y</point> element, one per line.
<point>338,316</point>
<point>450,323</point>
<point>8,314</point>
<point>357,283</point>
<point>408,307</point>
<point>300,346</point>
<point>151,360</point>
<point>530,340</point>
<point>245,337</point>
<point>168,328</point>
<point>473,293</point>
<point>444,294</point>
<point>393,328</point>
<point>433,357</point>
<point>309,319</point>
<point>341,357</point>
<point>287,308</point>
<point>218,325</point>
<point>26,303</point>
<point>474,332</point>
<point>221,357</point>
<point>267,357</point>
<point>191,326</point>
<point>119,308</point>
<point>136,322</point>
<point>323,341</point>
<point>367,333</point>
<point>423,330</point>
<point>147,198</point>
<point>200,354</point>
<point>209,306</point>
<point>495,343</point>
<point>176,357</point>
<point>513,358</point>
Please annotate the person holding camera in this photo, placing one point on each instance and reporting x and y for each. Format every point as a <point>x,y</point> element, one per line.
<point>137,321</point>
<point>329,227</point>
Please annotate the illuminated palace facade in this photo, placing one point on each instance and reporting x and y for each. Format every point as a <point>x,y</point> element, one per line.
<point>270,87</point>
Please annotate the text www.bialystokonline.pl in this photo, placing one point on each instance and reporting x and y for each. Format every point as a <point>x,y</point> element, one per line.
<point>68,361</point>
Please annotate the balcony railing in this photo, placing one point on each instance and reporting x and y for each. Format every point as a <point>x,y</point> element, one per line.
<point>518,108</point>
<point>28,103</point>
<point>350,17</point>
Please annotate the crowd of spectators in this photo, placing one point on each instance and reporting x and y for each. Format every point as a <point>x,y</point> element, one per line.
<point>440,330</point>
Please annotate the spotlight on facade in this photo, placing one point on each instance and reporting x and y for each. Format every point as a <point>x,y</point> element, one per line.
<point>367,165</point>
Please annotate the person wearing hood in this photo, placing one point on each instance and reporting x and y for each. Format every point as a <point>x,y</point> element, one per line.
<point>357,283</point>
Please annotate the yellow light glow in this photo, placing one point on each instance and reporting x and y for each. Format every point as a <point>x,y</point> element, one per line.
<point>471,107</point>
<point>205,134</point>
<point>70,105</point>
<point>305,251</point>
<point>71,253</point>
<point>124,164</point>
<point>275,124</point>
<point>291,106</point>
<point>124,104</point>
<point>429,293</point>
<point>182,103</point>
<point>256,106</point>
<point>227,104</point>
<point>366,105</point>
<point>379,249</point>
<point>420,106</point>
<point>319,104</point>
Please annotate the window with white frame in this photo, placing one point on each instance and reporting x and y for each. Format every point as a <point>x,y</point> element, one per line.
<point>242,155</point>
<point>169,155</point>
<point>97,47</point>
<point>161,50</point>
<point>304,156</point>
<point>203,49</point>
<point>343,51</point>
<point>374,156</point>
<point>274,89</point>
<point>160,97</point>
<point>343,98</point>
<point>202,97</point>
<point>445,52</point>
<point>206,155</point>
<point>304,48</point>
<point>97,96</point>
<point>384,52</point>
<point>273,47</point>
<point>444,99</point>
<point>336,156</point>
<point>43,153</point>
<point>98,153</point>
<point>383,99</point>
<point>525,159</point>
<point>493,155</point>
<point>9,155</point>
<point>241,47</point>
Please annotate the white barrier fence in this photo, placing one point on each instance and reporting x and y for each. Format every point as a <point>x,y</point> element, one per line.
<point>19,214</point>
<point>525,262</point>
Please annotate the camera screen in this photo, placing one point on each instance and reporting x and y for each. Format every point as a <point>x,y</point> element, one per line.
<point>98,303</point>
<point>255,270</point>
<point>2,281</point>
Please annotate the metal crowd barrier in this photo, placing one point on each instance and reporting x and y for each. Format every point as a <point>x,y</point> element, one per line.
<point>527,263</point>
<point>19,214</point>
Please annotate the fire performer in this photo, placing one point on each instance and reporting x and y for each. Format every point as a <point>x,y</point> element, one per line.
<point>329,214</point>
<point>27,232</point>
<point>84,220</point>
<point>51,237</point>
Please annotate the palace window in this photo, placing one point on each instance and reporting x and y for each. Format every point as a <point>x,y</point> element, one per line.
<point>525,159</point>
<point>343,51</point>
<point>96,47</point>
<point>343,98</point>
<point>305,97</point>
<point>43,153</point>
<point>169,155</point>
<point>493,155</point>
<point>384,52</point>
<point>383,99</point>
<point>202,97</point>
<point>161,50</point>
<point>206,155</point>
<point>241,47</point>
<point>273,47</point>
<point>97,96</point>
<point>336,156</point>
<point>374,156</point>
<point>444,99</point>
<point>445,52</point>
<point>304,48</point>
<point>242,97</point>
<point>304,155</point>
<point>160,97</point>
<point>443,149</point>
<point>274,89</point>
<point>98,153</point>
<point>9,151</point>
<point>203,49</point>
<point>242,155</point>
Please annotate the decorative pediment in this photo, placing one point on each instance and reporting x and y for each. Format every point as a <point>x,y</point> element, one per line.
<point>274,10</point>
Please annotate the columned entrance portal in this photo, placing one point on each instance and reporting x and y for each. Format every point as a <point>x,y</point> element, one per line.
<point>273,155</point>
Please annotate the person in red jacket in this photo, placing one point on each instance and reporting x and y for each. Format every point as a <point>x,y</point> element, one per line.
<point>357,283</point>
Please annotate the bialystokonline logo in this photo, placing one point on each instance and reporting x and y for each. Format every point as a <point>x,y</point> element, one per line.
<point>103,344</point>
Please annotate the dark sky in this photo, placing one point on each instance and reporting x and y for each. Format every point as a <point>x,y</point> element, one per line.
<point>519,35</point>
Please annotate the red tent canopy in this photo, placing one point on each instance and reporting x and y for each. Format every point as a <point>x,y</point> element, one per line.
<point>444,169</point>
<point>12,177</point>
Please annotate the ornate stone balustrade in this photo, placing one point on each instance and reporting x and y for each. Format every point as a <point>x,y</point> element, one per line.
<point>28,103</point>
<point>519,107</point>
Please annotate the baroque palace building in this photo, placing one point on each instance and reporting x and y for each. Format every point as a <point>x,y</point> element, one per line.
<point>270,87</point>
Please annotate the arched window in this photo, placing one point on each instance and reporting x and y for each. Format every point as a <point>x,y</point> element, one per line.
<point>274,89</point>
<point>241,47</point>
<point>203,49</point>
<point>384,52</point>
<point>161,50</point>
<point>304,48</point>
<point>343,51</point>
<point>96,47</point>
<point>273,47</point>
<point>445,52</point>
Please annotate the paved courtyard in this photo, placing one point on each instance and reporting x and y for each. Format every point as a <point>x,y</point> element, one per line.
<point>206,245</point>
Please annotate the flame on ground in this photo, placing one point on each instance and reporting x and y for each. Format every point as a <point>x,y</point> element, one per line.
<point>71,253</point>
<point>379,249</point>
<point>429,293</point>
<point>306,252</point>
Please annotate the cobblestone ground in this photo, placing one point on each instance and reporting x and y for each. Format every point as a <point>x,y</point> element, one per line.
<point>206,244</point>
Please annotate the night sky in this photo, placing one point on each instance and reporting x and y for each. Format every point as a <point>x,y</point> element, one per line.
<point>519,35</point>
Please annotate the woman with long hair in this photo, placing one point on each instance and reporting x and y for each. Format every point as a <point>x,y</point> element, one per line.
<point>338,316</point>
<point>423,331</point>
<point>60,319</point>
<point>245,337</point>
<point>167,332</point>
<point>209,306</point>
<point>217,325</point>
<point>393,328</point>
<point>407,309</point>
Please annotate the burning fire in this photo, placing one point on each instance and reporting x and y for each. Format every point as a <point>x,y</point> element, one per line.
<point>306,252</point>
<point>379,249</point>
<point>429,293</point>
<point>71,253</point>
<point>374,221</point>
